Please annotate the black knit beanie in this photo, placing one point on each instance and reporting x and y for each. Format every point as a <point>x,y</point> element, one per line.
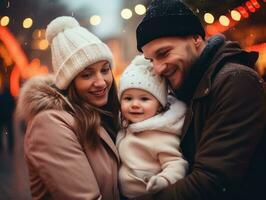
<point>167,18</point>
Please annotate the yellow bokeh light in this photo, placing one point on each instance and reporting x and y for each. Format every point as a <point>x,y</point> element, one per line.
<point>35,44</point>
<point>224,20</point>
<point>95,20</point>
<point>43,44</point>
<point>140,9</point>
<point>27,23</point>
<point>235,15</point>
<point>36,34</point>
<point>4,21</point>
<point>126,13</point>
<point>208,17</point>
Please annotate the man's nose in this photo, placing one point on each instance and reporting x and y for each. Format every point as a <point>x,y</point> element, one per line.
<point>158,67</point>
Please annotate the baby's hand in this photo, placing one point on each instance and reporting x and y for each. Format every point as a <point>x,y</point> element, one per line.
<point>156,183</point>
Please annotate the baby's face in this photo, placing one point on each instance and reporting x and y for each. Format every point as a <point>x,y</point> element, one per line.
<point>138,105</point>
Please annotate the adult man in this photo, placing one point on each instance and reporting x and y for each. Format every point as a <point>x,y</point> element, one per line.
<point>224,130</point>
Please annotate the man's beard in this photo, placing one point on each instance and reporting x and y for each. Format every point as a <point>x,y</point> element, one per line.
<point>184,91</point>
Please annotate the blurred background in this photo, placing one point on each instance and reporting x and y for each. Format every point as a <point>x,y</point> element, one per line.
<point>25,53</point>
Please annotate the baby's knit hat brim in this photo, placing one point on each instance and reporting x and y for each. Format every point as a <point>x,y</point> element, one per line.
<point>139,75</point>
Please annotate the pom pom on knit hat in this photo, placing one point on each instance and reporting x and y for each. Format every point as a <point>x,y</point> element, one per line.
<point>165,18</point>
<point>139,74</point>
<point>60,25</point>
<point>73,49</point>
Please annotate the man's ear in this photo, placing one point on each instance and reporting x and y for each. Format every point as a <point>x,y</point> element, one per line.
<point>197,40</point>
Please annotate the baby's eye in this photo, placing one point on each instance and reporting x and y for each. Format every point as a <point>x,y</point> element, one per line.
<point>144,98</point>
<point>127,98</point>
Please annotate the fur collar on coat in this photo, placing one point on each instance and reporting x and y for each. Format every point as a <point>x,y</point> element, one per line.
<point>38,94</point>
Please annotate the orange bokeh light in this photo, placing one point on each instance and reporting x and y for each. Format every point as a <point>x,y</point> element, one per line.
<point>22,67</point>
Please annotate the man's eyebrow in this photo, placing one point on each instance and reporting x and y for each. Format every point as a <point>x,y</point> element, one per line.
<point>165,48</point>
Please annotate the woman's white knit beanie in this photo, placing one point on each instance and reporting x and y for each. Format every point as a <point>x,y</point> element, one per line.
<point>73,49</point>
<point>139,74</point>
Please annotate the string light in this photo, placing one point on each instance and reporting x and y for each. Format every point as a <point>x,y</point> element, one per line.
<point>243,11</point>
<point>140,9</point>
<point>208,17</point>
<point>126,13</point>
<point>224,20</point>
<point>95,20</point>
<point>27,23</point>
<point>235,15</point>
<point>4,21</point>
<point>250,7</point>
<point>255,3</point>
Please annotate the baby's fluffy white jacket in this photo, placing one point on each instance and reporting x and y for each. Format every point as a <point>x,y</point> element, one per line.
<point>151,147</point>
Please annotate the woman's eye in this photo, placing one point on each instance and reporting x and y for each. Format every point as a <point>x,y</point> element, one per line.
<point>86,75</point>
<point>106,69</point>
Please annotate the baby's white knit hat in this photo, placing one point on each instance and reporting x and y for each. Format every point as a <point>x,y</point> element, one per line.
<point>139,74</point>
<point>73,49</point>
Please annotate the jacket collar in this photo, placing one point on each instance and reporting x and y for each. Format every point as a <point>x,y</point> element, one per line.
<point>198,69</point>
<point>208,54</point>
<point>107,139</point>
<point>224,51</point>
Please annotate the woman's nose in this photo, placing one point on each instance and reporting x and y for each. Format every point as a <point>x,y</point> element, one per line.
<point>99,81</point>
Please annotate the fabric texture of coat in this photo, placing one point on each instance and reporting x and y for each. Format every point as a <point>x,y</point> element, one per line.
<point>151,148</point>
<point>59,167</point>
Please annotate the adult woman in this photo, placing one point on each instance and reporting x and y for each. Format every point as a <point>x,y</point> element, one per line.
<point>72,118</point>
